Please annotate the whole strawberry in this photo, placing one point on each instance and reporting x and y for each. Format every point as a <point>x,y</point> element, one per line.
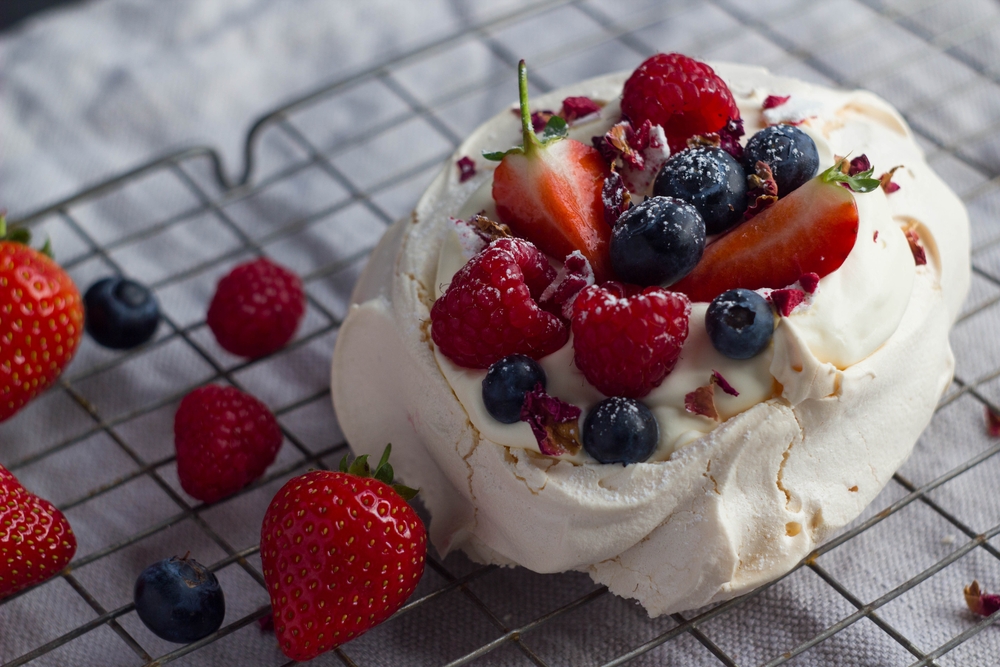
<point>36,541</point>
<point>256,309</point>
<point>225,439</point>
<point>490,309</point>
<point>41,320</point>
<point>682,95</point>
<point>626,341</point>
<point>341,552</point>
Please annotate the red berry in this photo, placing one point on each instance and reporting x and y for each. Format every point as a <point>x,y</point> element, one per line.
<point>225,439</point>
<point>489,310</point>
<point>683,96</point>
<point>41,321</point>
<point>36,541</point>
<point>812,230</point>
<point>340,554</point>
<point>625,341</point>
<point>256,308</point>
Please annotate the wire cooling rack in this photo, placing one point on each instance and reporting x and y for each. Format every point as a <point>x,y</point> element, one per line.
<point>323,178</point>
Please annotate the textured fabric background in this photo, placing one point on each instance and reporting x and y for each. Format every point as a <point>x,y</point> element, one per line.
<point>98,89</point>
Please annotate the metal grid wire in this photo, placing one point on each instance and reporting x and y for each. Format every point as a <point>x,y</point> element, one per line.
<point>323,178</point>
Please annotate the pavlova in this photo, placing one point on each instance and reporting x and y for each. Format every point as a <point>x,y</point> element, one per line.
<point>680,333</point>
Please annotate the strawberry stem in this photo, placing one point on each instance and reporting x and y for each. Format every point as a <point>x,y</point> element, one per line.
<point>530,139</point>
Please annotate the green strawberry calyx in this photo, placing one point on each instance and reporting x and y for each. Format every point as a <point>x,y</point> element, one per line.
<point>383,471</point>
<point>555,129</point>
<point>21,236</point>
<point>863,181</point>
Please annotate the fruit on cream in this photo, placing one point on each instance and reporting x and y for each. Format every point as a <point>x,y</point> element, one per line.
<point>822,419</point>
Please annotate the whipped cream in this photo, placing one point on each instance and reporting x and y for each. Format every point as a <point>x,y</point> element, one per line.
<point>823,419</point>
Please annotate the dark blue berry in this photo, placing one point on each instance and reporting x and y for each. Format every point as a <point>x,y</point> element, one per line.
<point>710,179</point>
<point>620,430</point>
<point>657,242</point>
<point>179,600</point>
<point>120,313</point>
<point>790,152</point>
<point>506,383</point>
<point>740,323</point>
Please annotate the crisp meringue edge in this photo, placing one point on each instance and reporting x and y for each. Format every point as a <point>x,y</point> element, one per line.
<point>732,511</point>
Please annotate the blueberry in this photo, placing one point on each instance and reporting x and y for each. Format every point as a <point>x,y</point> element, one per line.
<point>506,383</point>
<point>620,430</point>
<point>657,242</point>
<point>790,152</point>
<point>121,313</point>
<point>709,178</point>
<point>739,323</point>
<point>179,600</point>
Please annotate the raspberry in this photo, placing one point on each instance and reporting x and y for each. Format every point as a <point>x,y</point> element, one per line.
<point>256,308</point>
<point>626,341</point>
<point>225,439</point>
<point>489,311</point>
<point>683,96</point>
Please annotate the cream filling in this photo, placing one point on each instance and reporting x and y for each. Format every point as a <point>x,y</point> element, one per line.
<point>853,312</point>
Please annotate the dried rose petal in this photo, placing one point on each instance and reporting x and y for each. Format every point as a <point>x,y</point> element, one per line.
<point>887,183</point>
<point>992,423</point>
<point>729,138</point>
<point>539,119</point>
<point>916,247</point>
<point>575,108</point>
<point>575,274</point>
<point>785,300</point>
<point>616,198</point>
<point>875,236</point>
<point>489,230</point>
<point>466,169</point>
<point>858,165</point>
<point>553,422</point>
<point>701,401</point>
<point>772,101</point>
<point>809,282</point>
<point>628,143</point>
<point>763,190</point>
<point>723,384</point>
<point>980,602</point>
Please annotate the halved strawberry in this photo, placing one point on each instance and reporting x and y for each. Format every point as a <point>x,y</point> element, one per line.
<point>812,230</point>
<point>549,190</point>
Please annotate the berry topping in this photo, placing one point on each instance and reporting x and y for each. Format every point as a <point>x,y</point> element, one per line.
<point>683,96</point>
<point>120,313</point>
<point>711,180</point>
<point>225,439</point>
<point>506,383</point>
<point>36,541</point>
<point>811,230</point>
<point>620,430</point>
<point>489,309</point>
<point>41,320</point>
<point>179,599</point>
<point>657,242</point>
<point>553,422</point>
<point>810,281</point>
<point>575,108</point>
<point>739,323</point>
<point>466,169</point>
<point>549,190</point>
<point>256,308</point>
<point>559,296</point>
<point>625,342</point>
<point>788,151</point>
<point>341,552</point>
<point>786,300</point>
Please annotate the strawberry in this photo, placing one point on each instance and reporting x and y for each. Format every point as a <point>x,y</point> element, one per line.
<point>225,439</point>
<point>549,190</point>
<point>682,95</point>
<point>36,541</point>
<point>812,230</point>
<point>341,552</point>
<point>41,320</point>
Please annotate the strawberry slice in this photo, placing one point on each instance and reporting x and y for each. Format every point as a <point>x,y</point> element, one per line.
<point>812,230</point>
<point>548,190</point>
